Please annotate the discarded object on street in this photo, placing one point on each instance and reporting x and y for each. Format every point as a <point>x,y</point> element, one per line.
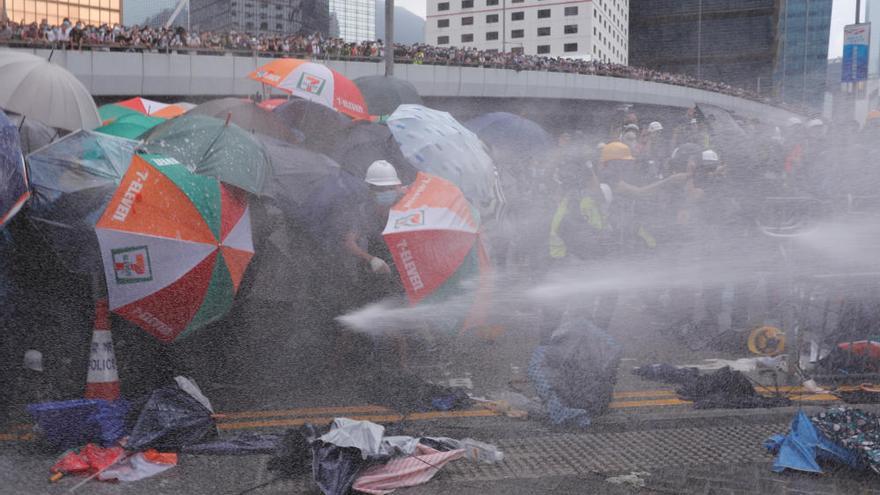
<point>482,452</point>
<point>69,424</point>
<point>727,389</point>
<point>246,443</point>
<point>401,472</point>
<point>365,436</point>
<point>804,446</point>
<point>89,459</point>
<point>868,348</point>
<point>574,374</point>
<point>173,417</point>
<point>139,466</point>
<point>853,429</point>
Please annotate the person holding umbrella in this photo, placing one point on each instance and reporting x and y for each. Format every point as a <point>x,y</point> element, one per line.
<point>363,238</point>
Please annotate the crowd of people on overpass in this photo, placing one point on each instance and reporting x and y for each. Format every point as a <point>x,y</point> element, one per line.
<point>79,36</point>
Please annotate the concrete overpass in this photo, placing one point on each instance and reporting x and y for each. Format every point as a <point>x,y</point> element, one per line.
<point>107,73</point>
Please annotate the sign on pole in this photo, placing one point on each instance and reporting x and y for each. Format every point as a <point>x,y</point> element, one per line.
<point>856,42</point>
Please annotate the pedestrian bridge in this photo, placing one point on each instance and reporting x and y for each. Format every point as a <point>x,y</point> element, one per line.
<point>107,73</point>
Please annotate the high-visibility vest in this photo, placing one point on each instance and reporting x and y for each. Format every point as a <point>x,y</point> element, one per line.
<point>591,212</point>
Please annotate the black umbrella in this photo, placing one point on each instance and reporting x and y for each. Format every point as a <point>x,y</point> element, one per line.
<point>296,173</point>
<point>320,125</point>
<point>249,116</point>
<point>365,142</point>
<point>384,94</point>
<point>171,419</point>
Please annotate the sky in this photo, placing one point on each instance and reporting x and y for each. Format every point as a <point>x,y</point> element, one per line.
<point>843,13</point>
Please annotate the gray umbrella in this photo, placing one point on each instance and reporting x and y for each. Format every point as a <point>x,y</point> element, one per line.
<point>249,116</point>
<point>384,94</point>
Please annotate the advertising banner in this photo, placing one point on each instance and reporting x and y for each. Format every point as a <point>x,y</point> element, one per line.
<point>856,43</point>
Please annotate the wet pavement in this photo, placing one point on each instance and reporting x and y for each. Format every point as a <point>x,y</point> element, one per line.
<point>649,442</point>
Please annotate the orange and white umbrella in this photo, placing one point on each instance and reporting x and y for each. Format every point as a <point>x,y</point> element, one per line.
<point>314,82</point>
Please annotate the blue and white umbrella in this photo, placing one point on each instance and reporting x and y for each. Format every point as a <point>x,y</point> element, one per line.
<point>434,142</point>
<point>13,177</point>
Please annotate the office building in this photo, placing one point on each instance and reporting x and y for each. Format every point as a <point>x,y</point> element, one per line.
<point>593,30</point>
<point>87,11</point>
<point>279,17</point>
<point>137,12</point>
<point>750,44</point>
<point>355,19</point>
<point>802,54</point>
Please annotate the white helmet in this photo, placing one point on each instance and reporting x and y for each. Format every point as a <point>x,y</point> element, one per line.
<point>655,127</point>
<point>382,173</point>
<point>33,360</point>
<point>710,156</point>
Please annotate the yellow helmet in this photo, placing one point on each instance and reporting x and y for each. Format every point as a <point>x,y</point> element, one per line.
<point>616,151</point>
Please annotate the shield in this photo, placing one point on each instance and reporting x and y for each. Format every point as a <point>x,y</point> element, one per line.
<point>72,180</point>
<point>249,116</point>
<point>314,82</point>
<point>40,90</point>
<point>212,147</point>
<point>433,234</point>
<point>436,143</point>
<point>384,94</point>
<point>130,126</point>
<point>13,178</point>
<point>174,246</point>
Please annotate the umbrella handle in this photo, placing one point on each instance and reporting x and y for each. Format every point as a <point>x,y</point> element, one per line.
<point>55,477</point>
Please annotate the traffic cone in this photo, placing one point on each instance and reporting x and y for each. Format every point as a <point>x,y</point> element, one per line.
<point>103,379</point>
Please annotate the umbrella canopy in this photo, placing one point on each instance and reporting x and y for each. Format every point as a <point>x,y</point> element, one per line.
<point>296,173</point>
<point>175,246</point>
<point>40,90</point>
<point>434,142</point>
<point>72,180</point>
<point>13,178</point>
<point>32,134</point>
<point>141,106</point>
<point>171,419</point>
<point>514,139</point>
<point>131,126</point>
<point>434,236</point>
<point>208,146</point>
<point>314,82</point>
<point>272,103</point>
<point>321,126</point>
<point>362,143</point>
<point>249,116</point>
<point>384,94</point>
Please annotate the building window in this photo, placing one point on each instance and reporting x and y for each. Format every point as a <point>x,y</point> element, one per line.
<point>517,1</point>
<point>490,3</point>
<point>467,4</point>
<point>571,11</point>
<point>467,21</point>
<point>443,6</point>
<point>517,16</point>
<point>544,14</point>
<point>543,31</point>
<point>492,36</point>
<point>570,47</point>
<point>570,29</point>
<point>279,26</point>
<point>442,23</point>
<point>517,33</point>
<point>543,49</point>
<point>491,18</point>
<point>442,40</point>
<point>264,26</point>
<point>467,38</point>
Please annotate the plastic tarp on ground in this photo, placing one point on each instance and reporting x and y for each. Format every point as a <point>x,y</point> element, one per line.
<point>804,447</point>
<point>171,419</point>
<point>71,423</point>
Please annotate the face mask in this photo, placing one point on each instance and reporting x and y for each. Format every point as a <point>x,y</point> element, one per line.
<point>385,198</point>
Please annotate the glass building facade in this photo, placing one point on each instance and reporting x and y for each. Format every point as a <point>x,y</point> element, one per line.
<point>88,11</point>
<point>279,17</point>
<point>746,43</point>
<point>355,19</point>
<point>802,58</point>
<point>139,11</point>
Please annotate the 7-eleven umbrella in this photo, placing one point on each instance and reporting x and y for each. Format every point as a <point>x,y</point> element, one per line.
<point>139,105</point>
<point>174,247</point>
<point>434,236</point>
<point>314,82</point>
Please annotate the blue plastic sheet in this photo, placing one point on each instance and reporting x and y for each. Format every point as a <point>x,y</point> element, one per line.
<point>73,423</point>
<point>805,447</point>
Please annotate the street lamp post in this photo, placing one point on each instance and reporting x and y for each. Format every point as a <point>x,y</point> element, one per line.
<point>389,38</point>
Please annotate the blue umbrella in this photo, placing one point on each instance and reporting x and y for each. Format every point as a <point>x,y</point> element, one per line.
<point>513,139</point>
<point>73,179</point>
<point>13,178</point>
